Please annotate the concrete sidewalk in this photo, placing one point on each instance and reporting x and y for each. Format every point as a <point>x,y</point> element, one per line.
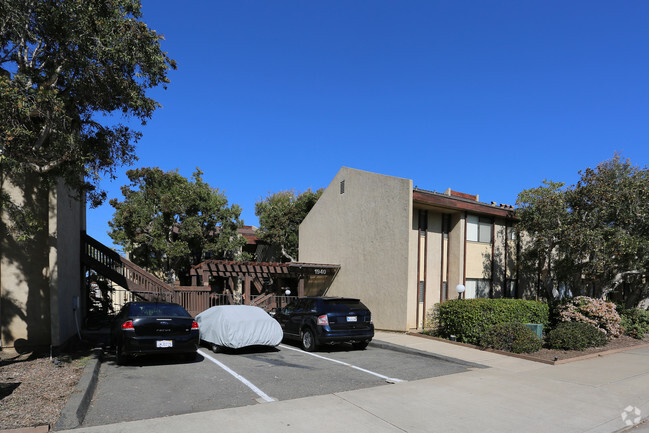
<point>510,395</point>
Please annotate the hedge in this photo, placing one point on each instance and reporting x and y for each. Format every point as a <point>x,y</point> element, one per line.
<point>635,322</point>
<point>576,336</point>
<point>512,337</point>
<point>469,319</point>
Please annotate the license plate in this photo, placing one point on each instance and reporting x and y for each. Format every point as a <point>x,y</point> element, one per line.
<point>351,318</point>
<point>164,343</point>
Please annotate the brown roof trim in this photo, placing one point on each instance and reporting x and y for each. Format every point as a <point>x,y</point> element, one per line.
<point>232,268</point>
<point>460,204</point>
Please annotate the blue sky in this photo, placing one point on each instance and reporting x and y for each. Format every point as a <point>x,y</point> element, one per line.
<point>486,98</point>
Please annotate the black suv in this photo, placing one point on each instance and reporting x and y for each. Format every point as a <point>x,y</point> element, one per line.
<point>317,320</point>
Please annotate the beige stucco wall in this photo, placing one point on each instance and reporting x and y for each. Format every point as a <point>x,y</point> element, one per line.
<point>40,275</point>
<point>24,271</point>
<point>434,259</point>
<point>67,219</point>
<point>367,231</point>
<point>456,253</point>
<point>478,260</point>
<point>431,261</point>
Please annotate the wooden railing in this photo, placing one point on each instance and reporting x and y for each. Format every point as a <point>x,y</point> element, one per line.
<point>123,272</point>
<point>143,285</point>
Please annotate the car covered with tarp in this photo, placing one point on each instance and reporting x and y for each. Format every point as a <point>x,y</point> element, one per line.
<point>237,326</point>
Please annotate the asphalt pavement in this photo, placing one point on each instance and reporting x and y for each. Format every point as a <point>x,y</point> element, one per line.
<point>602,394</point>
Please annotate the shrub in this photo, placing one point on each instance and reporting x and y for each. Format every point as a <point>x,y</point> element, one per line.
<point>575,336</point>
<point>469,319</point>
<point>512,337</point>
<point>596,312</point>
<point>635,322</point>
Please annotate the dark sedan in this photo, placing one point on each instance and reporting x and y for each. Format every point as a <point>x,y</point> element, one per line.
<point>321,320</point>
<point>153,328</point>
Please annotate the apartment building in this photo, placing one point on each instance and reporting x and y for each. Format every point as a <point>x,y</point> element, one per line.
<point>403,249</point>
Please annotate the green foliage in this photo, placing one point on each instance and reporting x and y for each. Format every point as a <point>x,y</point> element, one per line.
<point>596,312</point>
<point>168,223</point>
<point>592,237</point>
<point>511,337</point>
<point>469,319</point>
<point>280,215</point>
<point>575,336</point>
<point>635,322</point>
<point>66,67</point>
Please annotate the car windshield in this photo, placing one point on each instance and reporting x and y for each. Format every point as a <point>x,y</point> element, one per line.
<point>342,305</point>
<point>168,310</point>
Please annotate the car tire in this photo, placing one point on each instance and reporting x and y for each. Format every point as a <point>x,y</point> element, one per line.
<point>120,357</point>
<point>360,345</point>
<point>216,348</point>
<point>308,340</point>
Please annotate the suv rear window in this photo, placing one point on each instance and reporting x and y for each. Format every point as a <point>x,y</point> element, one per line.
<point>342,305</point>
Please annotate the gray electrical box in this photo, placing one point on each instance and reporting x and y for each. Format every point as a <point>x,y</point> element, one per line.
<point>537,328</point>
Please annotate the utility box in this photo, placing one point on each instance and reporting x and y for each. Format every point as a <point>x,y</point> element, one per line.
<point>537,328</point>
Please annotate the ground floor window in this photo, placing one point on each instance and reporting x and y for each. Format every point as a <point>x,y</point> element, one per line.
<point>477,288</point>
<point>510,289</point>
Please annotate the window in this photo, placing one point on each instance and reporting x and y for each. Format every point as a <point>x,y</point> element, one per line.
<point>342,186</point>
<point>446,225</point>
<point>422,291</point>
<point>477,288</point>
<point>444,291</point>
<point>511,232</point>
<point>423,220</point>
<point>510,289</point>
<point>478,229</point>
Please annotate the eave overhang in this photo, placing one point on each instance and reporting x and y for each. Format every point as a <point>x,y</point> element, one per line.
<point>457,204</point>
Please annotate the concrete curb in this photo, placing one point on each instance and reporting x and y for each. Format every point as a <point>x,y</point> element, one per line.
<point>76,408</point>
<point>529,357</point>
<point>404,349</point>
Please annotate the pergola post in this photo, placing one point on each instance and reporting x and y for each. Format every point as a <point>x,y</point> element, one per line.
<point>246,289</point>
<point>300,287</point>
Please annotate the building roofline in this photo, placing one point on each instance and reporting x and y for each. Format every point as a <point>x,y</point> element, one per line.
<point>455,202</point>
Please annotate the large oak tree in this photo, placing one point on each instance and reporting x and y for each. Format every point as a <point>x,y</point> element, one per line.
<point>280,215</point>
<point>67,69</point>
<point>592,237</point>
<point>169,223</point>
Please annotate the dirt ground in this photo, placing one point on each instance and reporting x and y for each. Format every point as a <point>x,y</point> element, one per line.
<point>34,388</point>
<point>559,355</point>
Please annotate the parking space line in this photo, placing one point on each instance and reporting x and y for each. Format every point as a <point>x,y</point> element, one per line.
<point>242,379</point>
<point>386,378</point>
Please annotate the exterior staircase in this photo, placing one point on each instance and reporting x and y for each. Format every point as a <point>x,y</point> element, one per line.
<point>123,272</point>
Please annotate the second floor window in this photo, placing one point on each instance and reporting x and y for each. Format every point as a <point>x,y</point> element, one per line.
<point>478,229</point>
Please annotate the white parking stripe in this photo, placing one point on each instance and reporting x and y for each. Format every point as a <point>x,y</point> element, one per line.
<point>245,381</point>
<point>386,378</point>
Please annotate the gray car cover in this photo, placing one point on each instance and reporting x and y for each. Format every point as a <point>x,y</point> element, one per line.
<point>237,326</point>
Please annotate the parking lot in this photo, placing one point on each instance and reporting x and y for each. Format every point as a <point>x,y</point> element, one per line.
<point>149,387</point>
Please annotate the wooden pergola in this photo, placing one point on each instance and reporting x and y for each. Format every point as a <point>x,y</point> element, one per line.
<point>311,277</point>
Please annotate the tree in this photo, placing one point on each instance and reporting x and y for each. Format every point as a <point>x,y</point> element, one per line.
<point>280,215</point>
<point>169,223</point>
<point>66,67</point>
<point>593,237</point>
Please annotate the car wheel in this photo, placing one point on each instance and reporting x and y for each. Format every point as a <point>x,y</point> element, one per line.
<point>308,340</point>
<point>216,348</point>
<point>360,345</point>
<point>120,358</point>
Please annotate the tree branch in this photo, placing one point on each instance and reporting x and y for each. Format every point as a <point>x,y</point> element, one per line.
<point>286,254</point>
<point>45,132</point>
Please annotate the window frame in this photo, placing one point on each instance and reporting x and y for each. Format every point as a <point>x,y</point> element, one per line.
<point>481,226</point>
